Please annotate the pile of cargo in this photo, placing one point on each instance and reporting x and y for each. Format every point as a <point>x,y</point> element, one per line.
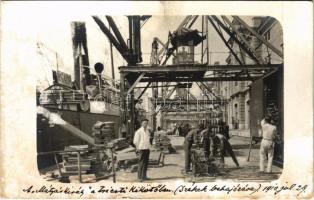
<point>162,142</point>
<point>80,157</point>
<point>103,132</point>
<point>120,143</point>
<point>201,165</point>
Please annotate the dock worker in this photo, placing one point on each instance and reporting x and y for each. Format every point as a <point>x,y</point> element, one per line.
<point>188,142</point>
<point>142,143</point>
<point>269,134</point>
<point>222,136</point>
<point>205,140</point>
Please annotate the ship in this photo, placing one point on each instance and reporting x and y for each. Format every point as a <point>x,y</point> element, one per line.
<point>81,102</point>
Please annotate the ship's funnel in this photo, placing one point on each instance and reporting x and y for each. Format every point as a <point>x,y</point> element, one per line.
<point>80,51</point>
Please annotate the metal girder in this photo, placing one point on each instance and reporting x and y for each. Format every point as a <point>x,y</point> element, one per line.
<point>199,85</point>
<point>235,38</point>
<point>187,79</point>
<point>277,51</point>
<point>242,38</point>
<point>184,22</point>
<point>225,41</point>
<point>158,40</point>
<point>195,68</point>
<point>164,47</point>
<point>106,31</point>
<point>171,92</point>
<point>144,90</point>
<point>145,17</point>
<point>191,95</point>
<point>208,89</point>
<point>193,21</point>
<point>136,82</point>
<point>197,101</point>
<point>155,86</point>
<point>117,33</point>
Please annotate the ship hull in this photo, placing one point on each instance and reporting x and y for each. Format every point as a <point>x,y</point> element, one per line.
<point>54,138</point>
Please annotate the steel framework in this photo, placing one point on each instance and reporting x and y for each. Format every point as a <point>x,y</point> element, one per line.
<point>202,73</point>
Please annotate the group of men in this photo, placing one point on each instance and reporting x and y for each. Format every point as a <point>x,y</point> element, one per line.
<point>212,138</point>
<point>217,137</point>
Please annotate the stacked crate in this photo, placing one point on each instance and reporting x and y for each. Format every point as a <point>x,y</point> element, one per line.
<point>103,132</point>
<point>70,164</point>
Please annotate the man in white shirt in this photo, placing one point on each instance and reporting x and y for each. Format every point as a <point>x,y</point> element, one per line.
<point>142,143</point>
<point>269,134</point>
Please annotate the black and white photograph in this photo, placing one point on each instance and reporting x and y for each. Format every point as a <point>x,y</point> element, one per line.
<point>195,97</point>
<point>156,100</point>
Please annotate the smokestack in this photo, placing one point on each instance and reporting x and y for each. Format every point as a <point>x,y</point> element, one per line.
<point>80,51</point>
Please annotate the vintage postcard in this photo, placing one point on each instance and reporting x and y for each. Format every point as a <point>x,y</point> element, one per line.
<point>154,100</point>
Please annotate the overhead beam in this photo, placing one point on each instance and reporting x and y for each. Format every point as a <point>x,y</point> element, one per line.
<point>135,83</point>
<point>200,80</point>
<point>155,86</point>
<point>117,33</point>
<point>197,101</point>
<point>272,47</point>
<point>195,68</point>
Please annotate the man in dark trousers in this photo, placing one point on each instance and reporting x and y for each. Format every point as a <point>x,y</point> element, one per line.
<point>142,143</point>
<point>205,139</point>
<point>188,142</point>
<point>223,136</point>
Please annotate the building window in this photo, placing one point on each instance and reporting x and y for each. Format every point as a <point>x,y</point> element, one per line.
<point>236,83</point>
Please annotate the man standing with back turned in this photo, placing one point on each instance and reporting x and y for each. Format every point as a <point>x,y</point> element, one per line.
<point>269,134</point>
<point>142,142</point>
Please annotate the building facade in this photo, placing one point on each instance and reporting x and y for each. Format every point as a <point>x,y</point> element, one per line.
<point>238,93</point>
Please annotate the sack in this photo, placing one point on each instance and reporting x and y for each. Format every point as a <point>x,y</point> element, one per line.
<point>97,106</point>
